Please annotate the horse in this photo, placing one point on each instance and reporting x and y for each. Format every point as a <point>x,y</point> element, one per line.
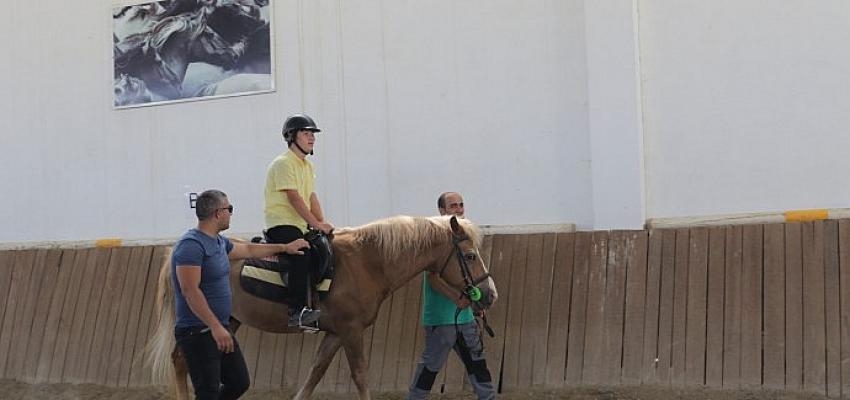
<point>371,261</point>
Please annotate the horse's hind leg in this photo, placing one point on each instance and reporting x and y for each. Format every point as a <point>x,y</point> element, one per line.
<point>327,349</point>
<point>181,373</point>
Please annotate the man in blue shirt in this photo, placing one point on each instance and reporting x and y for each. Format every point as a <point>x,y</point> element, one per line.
<point>200,265</point>
<point>444,331</point>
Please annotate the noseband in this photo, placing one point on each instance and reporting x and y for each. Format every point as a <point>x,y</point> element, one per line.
<point>470,289</point>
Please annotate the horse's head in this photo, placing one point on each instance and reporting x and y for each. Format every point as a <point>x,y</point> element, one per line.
<point>465,270</point>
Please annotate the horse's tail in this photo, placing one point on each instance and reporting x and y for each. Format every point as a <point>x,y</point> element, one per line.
<point>162,343</point>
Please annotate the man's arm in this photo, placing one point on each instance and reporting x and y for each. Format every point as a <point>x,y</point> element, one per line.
<point>243,250</point>
<point>442,287</point>
<point>301,207</point>
<point>316,208</point>
<point>189,278</point>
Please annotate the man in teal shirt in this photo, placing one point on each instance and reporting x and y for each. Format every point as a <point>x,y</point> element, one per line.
<point>444,332</point>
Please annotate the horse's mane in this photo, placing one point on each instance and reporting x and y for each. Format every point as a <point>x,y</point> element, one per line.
<point>392,235</point>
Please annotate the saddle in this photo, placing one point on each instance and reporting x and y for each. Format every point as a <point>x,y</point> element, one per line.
<point>262,277</point>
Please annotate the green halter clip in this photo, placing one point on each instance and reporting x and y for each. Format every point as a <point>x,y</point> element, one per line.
<point>474,293</point>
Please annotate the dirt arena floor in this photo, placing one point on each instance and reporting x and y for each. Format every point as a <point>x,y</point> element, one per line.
<point>13,390</point>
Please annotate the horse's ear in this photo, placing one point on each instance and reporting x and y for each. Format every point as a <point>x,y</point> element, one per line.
<point>456,229</point>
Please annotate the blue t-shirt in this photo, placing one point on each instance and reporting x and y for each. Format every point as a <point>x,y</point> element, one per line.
<point>210,253</point>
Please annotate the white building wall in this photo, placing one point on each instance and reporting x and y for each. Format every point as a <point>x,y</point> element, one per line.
<point>746,105</point>
<point>532,109</point>
<point>485,97</point>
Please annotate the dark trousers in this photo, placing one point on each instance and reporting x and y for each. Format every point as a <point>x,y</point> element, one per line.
<point>215,375</point>
<point>298,266</point>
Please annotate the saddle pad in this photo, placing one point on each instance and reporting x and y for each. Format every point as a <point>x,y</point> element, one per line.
<point>261,278</point>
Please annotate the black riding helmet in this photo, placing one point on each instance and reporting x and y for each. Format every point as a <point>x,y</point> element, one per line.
<point>295,123</point>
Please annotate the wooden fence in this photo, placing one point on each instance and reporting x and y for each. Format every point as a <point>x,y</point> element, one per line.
<point>734,307</point>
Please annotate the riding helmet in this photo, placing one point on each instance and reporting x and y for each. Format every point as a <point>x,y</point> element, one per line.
<point>298,122</point>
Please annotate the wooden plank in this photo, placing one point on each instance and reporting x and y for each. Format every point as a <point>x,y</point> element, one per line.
<point>844,284</point>
<point>127,323</point>
<point>635,312</point>
<point>379,344</point>
<point>394,335</point>
<point>667,300</point>
<point>7,303</point>
<point>653,303</point>
<point>751,305</point>
<point>832,295</point>
<point>68,311</point>
<point>292,353</point>
<point>615,300</point>
<point>108,316</point>
<point>532,322</point>
<point>559,312</point>
<point>82,330</point>
<point>774,306</point>
<point>714,307</point>
<point>34,262</point>
<point>249,341</point>
<point>794,306</point>
<point>262,378</point>
<point>48,274</point>
<point>410,327</point>
<point>513,323</point>
<point>140,373</point>
<point>501,259</point>
<point>594,342</point>
<point>814,325</point>
<point>54,315</point>
<point>578,309</point>
<point>276,378</point>
<point>541,324</point>
<point>678,347</point>
<point>695,330</point>
<point>732,313</point>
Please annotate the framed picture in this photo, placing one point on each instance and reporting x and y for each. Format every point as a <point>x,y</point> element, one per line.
<point>181,50</point>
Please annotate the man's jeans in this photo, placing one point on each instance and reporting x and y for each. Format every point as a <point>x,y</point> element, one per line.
<point>441,339</point>
<point>215,375</point>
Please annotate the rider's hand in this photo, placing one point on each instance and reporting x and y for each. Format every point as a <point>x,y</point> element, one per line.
<point>325,227</point>
<point>222,338</point>
<point>296,246</point>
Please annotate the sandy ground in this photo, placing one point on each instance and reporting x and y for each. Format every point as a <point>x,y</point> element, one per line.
<point>13,390</point>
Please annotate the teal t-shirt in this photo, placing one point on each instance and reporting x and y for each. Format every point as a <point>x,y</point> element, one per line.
<point>440,310</point>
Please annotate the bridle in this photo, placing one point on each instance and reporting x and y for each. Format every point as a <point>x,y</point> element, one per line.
<point>470,288</point>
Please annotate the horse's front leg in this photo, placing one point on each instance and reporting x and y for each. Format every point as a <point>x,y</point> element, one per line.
<point>327,349</point>
<point>357,363</point>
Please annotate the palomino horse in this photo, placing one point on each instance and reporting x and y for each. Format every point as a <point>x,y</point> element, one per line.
<point>372,261</point>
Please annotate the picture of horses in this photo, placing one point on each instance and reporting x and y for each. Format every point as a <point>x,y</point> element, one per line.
<point>179,50</point>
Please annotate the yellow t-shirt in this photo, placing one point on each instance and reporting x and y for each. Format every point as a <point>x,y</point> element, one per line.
<point>285,172</point>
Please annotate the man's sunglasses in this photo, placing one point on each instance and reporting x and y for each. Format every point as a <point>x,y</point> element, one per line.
<point>228,208</point>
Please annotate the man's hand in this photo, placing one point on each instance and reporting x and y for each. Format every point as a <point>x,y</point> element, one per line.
<point>325,227</point>
<point>222,338</point>
<point>463,302</point>
<point>295,247</point>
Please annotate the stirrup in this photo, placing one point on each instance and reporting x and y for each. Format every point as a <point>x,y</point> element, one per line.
<point>312,327</point>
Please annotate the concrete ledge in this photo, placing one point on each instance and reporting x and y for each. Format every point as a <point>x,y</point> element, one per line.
<point>749,218</point>
<point>527,229</point>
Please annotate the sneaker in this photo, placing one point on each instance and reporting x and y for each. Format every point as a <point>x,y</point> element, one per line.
<point>305,317</point>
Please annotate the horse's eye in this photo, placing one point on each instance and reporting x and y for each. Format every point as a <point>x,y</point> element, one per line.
<point>470,257</point>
